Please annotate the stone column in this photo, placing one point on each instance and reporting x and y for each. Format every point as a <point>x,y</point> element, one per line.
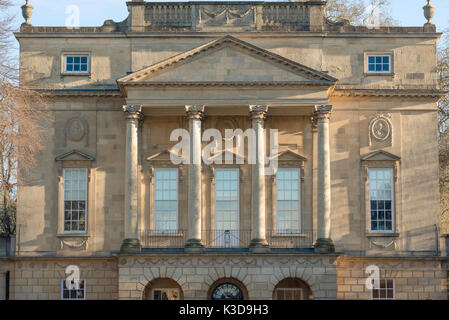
<point>195,114</point>
<point>134,115</point>
<point>258,242</point>
<point>324,242</point>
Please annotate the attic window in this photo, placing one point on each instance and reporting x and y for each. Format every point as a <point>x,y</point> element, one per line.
<point>76,64</point>
<point>379,63</point>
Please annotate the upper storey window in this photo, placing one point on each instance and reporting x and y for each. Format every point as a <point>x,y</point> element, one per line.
<point>379,64</point>
<point>381,199</point>
<point>76,64</point>
<point>166,200</point>
<point>288,201</point>
<point>75,199</point>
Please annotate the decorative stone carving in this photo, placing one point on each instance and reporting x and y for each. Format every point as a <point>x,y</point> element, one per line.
<point>258,112</point>
<point>239,16</point>
<point>380,128</point>
<point>383,245</point>
<point>429,11</point>
<point>74,244</point>
<point>227,16</point>
<point>195,112</point>
<point>27,12</point>
<point>77,129</point>
<point>321,112</point>
<point>133,112</point>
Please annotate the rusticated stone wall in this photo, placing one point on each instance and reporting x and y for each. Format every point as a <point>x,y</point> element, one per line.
<point>40,279</point>
<point>415,279</point>
<point>195,275</point>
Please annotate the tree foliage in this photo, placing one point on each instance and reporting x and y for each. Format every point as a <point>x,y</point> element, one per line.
<point>357,12</point>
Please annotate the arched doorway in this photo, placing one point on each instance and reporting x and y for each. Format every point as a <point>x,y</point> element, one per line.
<point>228,289</point>
<point>163,289</point>
<point>292,289</point>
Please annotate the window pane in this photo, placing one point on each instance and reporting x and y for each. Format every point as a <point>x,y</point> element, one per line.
<point>77,63</point>
<point>381,195</point>
<point>73,294</point>
<point>75,197</point>
<point>227,211</point>
<point>166,200</point>
<point>287,204</point>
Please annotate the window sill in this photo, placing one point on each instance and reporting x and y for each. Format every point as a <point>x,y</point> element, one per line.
<point>73,235</point>
<point>67,74</point>
<point>368,74</point>
<point>382,235</point>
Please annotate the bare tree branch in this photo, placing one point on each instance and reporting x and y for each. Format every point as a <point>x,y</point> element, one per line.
<point>22,122</point>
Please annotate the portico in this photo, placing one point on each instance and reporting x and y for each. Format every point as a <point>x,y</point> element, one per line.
<point>287,88</point>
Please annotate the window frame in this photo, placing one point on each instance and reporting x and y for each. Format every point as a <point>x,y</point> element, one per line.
<point>64,56</point>
<point>393,202</point>
<point>300,179</point>
<point>215,193</point>
<point>153,204</point>
<point>68,299</point>
<point>368,54</point>
<point>165,289</point>
<point>382,160</point>
<point>394,290</point>
<point>86,170</point>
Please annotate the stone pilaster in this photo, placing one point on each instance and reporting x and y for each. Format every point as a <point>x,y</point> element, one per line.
<point>259,242</point>
<point>324,242</point>
<point>195,114</point>
<point>134,115</point>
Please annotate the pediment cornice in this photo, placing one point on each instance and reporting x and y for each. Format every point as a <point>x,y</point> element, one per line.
<point>307,75</point>
<point>75,155</point>
<point>380,155</point>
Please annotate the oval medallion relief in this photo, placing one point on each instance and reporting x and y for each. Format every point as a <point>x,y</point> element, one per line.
<point>76,131</point>
<point>380,128</point>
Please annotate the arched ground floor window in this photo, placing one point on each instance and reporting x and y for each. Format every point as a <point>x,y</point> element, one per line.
<point>292,289</point>
<point>163,289</point>
<point>228,289</point>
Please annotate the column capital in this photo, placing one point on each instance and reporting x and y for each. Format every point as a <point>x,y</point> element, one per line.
<point>195,112</point>
<point>322,112</point>
<point>258,112</point>
<point>133,111</point>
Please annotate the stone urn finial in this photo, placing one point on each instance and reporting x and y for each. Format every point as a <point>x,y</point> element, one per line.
<point>429,12</point>
<point>27,12</point>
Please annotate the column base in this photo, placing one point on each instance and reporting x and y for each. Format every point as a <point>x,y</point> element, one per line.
<point>131,246</point>
<point>259,246</point>
<point>194,246</point>
<point>324,246</point>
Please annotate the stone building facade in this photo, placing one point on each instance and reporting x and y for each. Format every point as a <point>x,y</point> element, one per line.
<point>356,185</point>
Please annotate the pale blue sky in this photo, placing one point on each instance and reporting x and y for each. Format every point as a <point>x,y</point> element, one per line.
<point>94,12</point>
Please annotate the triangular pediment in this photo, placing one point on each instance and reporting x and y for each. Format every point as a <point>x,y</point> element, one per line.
<point>288,155</point>
<point>227,60</point>
<point>380,156</point>
<point>165,156</point>
<point>75,155</point>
